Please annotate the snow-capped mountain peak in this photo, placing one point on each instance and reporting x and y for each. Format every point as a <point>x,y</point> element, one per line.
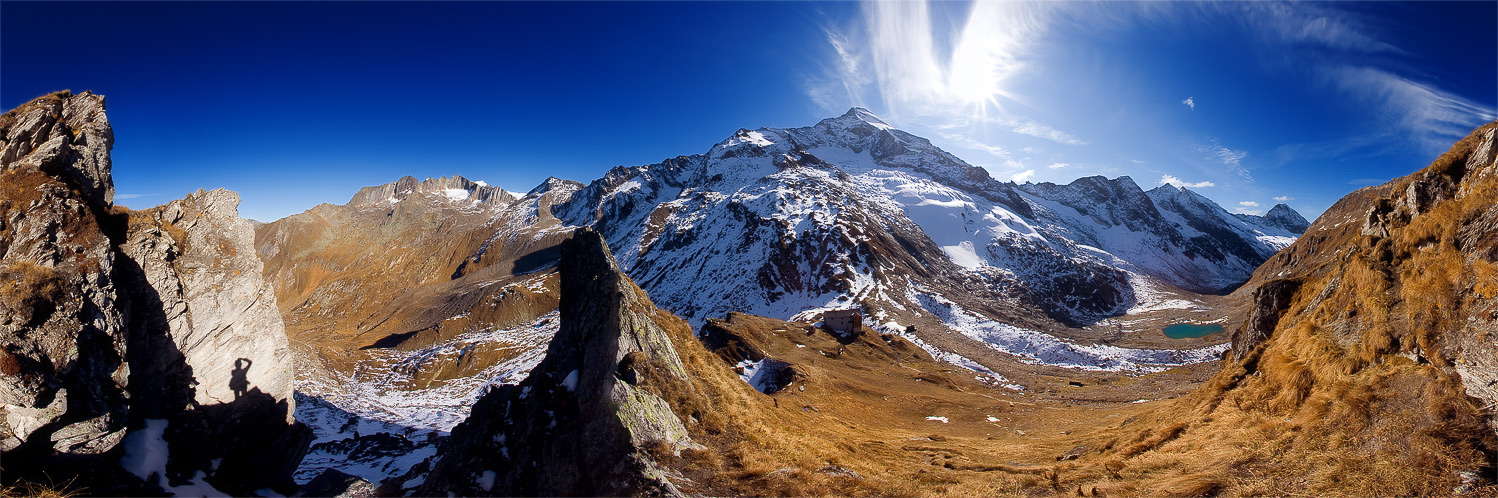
<point>860,114</point>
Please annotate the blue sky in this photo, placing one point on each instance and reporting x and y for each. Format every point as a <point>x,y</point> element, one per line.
<point>294,104</point>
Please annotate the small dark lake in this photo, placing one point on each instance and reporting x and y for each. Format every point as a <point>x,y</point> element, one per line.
<point>1191,330</point>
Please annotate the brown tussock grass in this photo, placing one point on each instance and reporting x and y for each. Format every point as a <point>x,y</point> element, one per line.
<point>1352,395</point>
<point>10,117</point>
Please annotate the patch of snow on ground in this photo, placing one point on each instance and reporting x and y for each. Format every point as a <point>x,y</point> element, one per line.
<point>146,454</point>
<point>938,419</point>
<point>344,411</point>
<point>355,445</point>
<point>748,368</point>
<point>1041,348</point>
<point>1149,297</point>
<point>949,357</point>
<point>455,194</point>
<point>376,390</point>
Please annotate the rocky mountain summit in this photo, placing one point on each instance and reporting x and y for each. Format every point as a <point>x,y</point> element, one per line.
<point>134,342</point>
<point>1282,216</point>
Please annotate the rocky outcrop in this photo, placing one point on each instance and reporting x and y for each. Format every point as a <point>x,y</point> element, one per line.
<point>208,337</point>
<point>1269,302</point>
<point>336,484</point>
<point>578,425</point>
<point>63,133</point>
<point>111,317</point>
<point>63,338</point>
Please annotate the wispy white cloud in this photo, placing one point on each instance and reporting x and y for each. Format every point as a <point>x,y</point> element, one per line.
<point>1361,68</point>
<point>1029,127</point>
<point>1171,180</point>
<point>122,197</point>
<point>1248,204</point>
<point>1190,102</point>
<point>1433,116</point>
<point>1058,165</point>
<point>1232,159</point>
<point>1023,176</point>
<point>949,79</point>
<point>1244,210</point>
<point>1284,198</point>
<point>1136,161</point>
<point>962,140</point>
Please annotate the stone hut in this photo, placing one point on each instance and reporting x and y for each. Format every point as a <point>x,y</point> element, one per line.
<point>845,321</point>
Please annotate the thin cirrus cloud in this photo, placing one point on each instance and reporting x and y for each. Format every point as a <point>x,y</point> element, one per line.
<point>1171,180</point>
<point>1431,115</point>
<point>1284,198</point>
<point>1248,204</point>
<point>953,81</point>
<point>1427,114</point>
<point>995,77</point>
<point>1229,158</point>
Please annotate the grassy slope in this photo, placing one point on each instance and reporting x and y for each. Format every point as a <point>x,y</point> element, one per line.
<point>1353,394</point>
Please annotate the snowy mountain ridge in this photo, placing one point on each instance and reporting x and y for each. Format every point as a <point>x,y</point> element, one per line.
<point>767,205</point>
<point>782,223</point>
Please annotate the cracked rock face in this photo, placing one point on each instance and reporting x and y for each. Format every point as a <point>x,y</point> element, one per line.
<point>64,133</point>
<point>576,426</point>
<point>220,314</point>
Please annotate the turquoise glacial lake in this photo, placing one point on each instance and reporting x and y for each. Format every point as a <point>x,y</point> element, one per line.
<point>1191,330</point>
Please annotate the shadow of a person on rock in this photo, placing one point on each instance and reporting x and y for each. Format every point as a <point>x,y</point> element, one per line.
<point>239,381</point>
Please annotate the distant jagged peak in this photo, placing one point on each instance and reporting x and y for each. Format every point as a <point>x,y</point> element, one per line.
<point>554,184</point>
<point>454,189</point>
<point>1285,217</point>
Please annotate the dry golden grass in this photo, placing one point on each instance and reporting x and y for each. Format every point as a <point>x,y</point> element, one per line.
<point>9,118</point>
<point>29,289</point>
<point>37,490</point>
<point>1352,395</point>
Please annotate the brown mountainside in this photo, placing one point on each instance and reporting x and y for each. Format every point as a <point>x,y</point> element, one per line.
<point>410,264</point>
<point>1368,363</point>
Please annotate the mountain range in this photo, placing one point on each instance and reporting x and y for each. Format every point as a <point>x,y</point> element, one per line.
<point>660,330</point>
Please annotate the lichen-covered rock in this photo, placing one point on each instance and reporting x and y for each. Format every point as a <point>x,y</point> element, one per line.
<point>578,425</point>
<point>1269,302</point>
